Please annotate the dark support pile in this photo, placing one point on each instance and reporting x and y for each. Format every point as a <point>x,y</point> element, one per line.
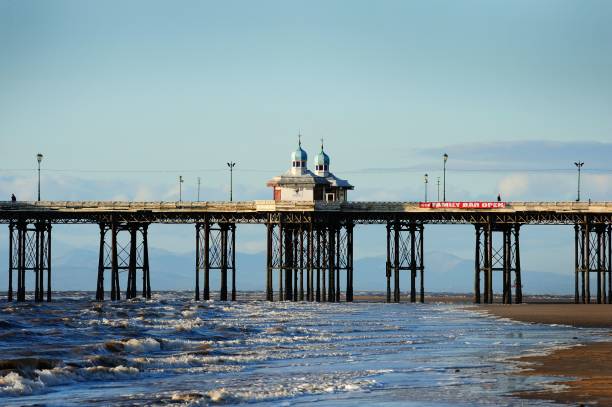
<point>593,254</point>
<point>309,258</point>
<point>405,252</point>
<point>215,250</point>
<point>504,257</point>
<point>117,256</point>
<point>30,250</point>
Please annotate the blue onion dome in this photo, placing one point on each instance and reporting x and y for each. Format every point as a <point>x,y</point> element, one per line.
<point>322,158</point>
<point>321,161</point>
<point>299,154</point>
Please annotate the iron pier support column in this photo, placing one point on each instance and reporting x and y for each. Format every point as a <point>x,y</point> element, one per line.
<point>338,260</point>
<point>296,261</point>
<point>301,265</point>
<point>101,261</point>
<point>37,263</point>
<point>309,263</point>
<point>507,281</point>
<point>318,264</point>
<point>21,232</point>
<point>517,265</point>
<point>43,259</point>
<point>388,263</point>
<point>269,259</point>
<point>609,254</point>
<point>413,264</point>
<point>421,266</point>
<point>10,264</point>
<point>48,258</point>
<point>146,273</point>
<point>584,262</point>
<point>488,272</point>
<point>477,265</point>
<point>587,255</point>
<point>115,291</point>
<point>331,258</point>
<point>602,262</point>
<point>281,259</point>
<point>288,266</point>
<point>233,259</point>
<point>206,260</point>
<point>577,263</point>
<point>198,226</point>
<point>130,291</point>
<point>598,260</point>
<point>396,262</point>
<point>349,261</point>
<point>223,231</point>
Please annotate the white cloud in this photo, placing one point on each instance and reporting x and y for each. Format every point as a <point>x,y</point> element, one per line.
<point>253,246</point>
<point>513,185</point>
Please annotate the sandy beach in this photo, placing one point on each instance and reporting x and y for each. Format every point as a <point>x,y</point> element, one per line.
<point>588,366</point>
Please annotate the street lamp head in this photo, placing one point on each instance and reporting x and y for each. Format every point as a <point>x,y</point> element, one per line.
<point>39,157</point>
<point>445,157</point>
<point>231,164</point>
<point>579,164</point>
<point>426,178</point>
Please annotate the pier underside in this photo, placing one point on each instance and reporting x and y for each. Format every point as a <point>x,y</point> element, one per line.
<point>309,245</point>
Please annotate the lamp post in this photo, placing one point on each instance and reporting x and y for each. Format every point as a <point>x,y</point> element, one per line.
<point>231,165</point>
<point>39,158</point>
<point>180,188</point>
<point>444,178</point>
<point>426,181</point>
<point>438,182</point>
<point>578,164</point>
<point>198,189</point>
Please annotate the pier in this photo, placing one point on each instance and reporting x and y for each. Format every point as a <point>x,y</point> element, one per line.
<point>309,244</point>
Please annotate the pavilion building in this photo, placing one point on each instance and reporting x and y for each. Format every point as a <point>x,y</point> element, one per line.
<point>301,184</point>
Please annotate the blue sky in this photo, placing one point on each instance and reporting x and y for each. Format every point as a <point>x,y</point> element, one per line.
<point>123,97</point>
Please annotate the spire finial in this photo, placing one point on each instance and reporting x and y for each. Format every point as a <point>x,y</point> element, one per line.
<point>321,143</point>
<point>299,139</point>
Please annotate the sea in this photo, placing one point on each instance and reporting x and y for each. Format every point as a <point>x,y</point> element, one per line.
<point>173,351</point>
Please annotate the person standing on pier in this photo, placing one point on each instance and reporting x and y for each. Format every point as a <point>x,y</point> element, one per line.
<point>13,198</point>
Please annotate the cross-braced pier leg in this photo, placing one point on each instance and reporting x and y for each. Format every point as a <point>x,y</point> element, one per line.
<point>309,257</point>
<point>120,255</point>
<point>592,254</point>
<point>215,250</point>
<point>504,258</point>
<point>405,253</point>
<point>30,250</point>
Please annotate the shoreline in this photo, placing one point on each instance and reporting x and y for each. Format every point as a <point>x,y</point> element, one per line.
<point>585,377</point>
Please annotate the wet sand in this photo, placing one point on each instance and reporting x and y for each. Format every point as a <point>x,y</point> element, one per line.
<point>589,367</point>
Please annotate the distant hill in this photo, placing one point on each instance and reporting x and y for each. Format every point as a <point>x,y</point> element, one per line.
<point>75,269</point>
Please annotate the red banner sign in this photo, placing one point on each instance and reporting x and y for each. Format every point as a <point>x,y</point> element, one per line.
<point>462,205</point>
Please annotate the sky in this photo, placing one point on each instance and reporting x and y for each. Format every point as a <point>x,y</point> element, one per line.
<point>123,97</point>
